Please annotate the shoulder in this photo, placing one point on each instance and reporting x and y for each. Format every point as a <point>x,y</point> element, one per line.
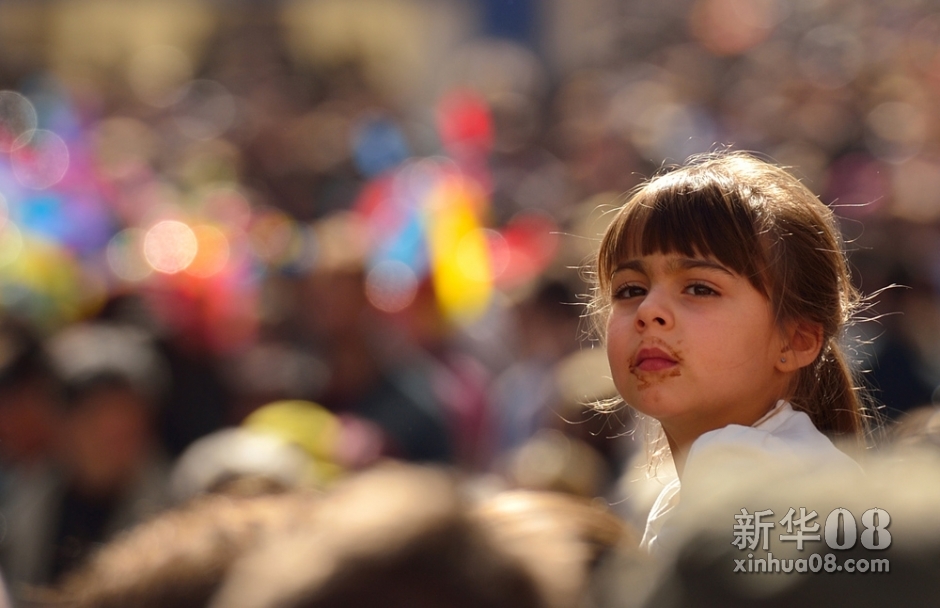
<point>786,441</point>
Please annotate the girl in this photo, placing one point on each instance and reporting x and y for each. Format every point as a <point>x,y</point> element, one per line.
<point>722,290</point>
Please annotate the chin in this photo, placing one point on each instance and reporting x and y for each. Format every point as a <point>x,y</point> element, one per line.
<point>654,406</point>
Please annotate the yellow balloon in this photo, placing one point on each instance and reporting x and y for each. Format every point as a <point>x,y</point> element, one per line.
<point>306,424</point>
<point>460,261</point>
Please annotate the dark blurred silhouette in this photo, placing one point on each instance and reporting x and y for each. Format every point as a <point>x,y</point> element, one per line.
<point>373,370</point>
<point>30,397</point>
<point>105,472</point>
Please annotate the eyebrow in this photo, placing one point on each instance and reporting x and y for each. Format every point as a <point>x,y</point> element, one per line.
<point>675,265</point>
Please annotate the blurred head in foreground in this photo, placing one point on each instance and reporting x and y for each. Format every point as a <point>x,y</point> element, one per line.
<point>561,538</point>
<point>390,537</point>
<point>403,536</point>
<point>179,558</point>
<point>394,536</point>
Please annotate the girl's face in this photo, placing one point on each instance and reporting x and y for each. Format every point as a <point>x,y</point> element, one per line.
<point>692,344</point>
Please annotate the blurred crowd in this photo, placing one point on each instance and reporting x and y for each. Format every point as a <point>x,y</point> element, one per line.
<point>245,264</point>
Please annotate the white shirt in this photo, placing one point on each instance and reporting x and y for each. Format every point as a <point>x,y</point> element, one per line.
<point>780,440</point>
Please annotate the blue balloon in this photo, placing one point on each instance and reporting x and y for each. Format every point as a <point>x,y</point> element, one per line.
<point>378,145</point>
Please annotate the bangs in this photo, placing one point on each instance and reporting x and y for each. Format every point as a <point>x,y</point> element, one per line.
<point>693,222</point>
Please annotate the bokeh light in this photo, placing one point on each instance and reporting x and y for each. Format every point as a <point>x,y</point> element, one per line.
<point>630,101</point>
<point>391,286</point>
<point>125,254</point>
<point>11,243</point>
<point>17,120</point>
<point>831,55</point>
<point>42,162</point>
<point>206,110</point>
<point>170,246</point>
<point>896,131</point>
<point>212,253</point>
<point>731,27</point>
<point>226,205</point>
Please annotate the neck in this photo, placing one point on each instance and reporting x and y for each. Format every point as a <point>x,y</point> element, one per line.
<point>679,454</point>
<point>681,436</point>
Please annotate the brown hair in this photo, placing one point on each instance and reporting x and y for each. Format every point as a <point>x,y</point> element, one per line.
<point>761,222</point>
<point>394,536</point>
<point>562,538</point>
<point>179,558</point>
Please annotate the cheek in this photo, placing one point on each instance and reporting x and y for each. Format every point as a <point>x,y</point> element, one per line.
<point>621,341</point>
<point>620,331</point>
<point>743,343</point>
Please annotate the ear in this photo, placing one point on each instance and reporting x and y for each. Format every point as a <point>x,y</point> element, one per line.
<point>802,342</point>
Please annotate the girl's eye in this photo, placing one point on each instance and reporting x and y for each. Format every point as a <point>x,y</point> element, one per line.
<point>699,289</point>
<point>625,292</point>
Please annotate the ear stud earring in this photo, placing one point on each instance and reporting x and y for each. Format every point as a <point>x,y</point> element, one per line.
<point>783,359</point>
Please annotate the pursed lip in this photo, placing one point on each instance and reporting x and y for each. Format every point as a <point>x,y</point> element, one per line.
<point>652,359</point>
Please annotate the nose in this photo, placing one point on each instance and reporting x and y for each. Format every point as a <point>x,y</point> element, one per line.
<point>654,311</point>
